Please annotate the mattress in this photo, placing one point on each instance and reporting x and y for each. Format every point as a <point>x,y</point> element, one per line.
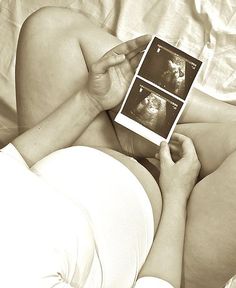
<point>206,29</point>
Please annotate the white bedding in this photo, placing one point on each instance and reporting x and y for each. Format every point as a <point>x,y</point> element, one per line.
<point>204,28</point>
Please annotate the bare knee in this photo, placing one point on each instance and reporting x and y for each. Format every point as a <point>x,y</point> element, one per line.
<point>53,42</point>
<point>48,20</point>
<point>52,28</point>
<point>46,52</point>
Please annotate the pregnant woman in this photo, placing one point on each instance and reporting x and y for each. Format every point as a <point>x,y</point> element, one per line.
<point>64,67</point>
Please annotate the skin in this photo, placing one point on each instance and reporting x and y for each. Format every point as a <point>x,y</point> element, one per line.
<point>101,93</point>
<point>43,88</point>
<point>106,86</point>
<point>177,180</point>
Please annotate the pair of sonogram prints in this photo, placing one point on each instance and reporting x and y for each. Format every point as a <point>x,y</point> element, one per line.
<point>159,91</point>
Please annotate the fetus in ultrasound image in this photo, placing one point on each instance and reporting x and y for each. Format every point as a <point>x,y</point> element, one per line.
<point>173,78</point>
<point>151,112</point>
<point>169,68</point>
<point>151,107</point>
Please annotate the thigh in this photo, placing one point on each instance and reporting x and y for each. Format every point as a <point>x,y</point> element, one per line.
<point>214,142</point>
<point>210,245</point>
<point>55,49</point>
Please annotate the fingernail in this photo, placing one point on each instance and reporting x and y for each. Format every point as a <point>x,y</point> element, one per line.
<point>163,143</point>
<point>157,156</point>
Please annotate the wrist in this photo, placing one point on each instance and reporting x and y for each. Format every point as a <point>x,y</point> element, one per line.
<point>178,194</point>
<point>177,203</point>
<point>177,212</point>
<point>93,105</point>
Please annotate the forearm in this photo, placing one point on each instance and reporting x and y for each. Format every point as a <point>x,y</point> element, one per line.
<point>176,181</point>
<point>60,129</point>
<point>165,258</point>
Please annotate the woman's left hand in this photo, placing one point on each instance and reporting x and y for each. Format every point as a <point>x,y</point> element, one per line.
<point>177,179</point>
<point>110,77</point>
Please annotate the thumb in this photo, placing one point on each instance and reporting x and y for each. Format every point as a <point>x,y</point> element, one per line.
<point>165,156</point>
<point>102,65</point>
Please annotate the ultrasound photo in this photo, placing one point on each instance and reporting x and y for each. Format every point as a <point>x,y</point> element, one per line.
<point>151,107</point>
<point>158,92</point>
<point>169,68</point>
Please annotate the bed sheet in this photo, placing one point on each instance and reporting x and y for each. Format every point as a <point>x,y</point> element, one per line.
<point>205,29</point>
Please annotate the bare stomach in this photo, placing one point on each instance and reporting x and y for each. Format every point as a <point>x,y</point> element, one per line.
<point>145,178</point>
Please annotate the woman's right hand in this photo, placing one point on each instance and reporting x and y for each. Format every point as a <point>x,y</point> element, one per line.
<point>110,77</point>
<point>177,179</point>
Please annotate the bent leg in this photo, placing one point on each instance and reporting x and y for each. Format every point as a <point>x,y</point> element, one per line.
<point>214,142</point>
<point>55,49</point>
<point>202,114</point>
<point>202,108</point>
<point>210,244</point>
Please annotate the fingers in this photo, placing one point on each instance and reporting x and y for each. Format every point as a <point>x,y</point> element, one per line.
<point>164,154</point>
<point>176,151</point>
<point>101,66</point>
<point>132,45</point>
<point>188,148</point>
<point>129,50</point>
<point>136,60</point>
<point>135,52</point>
<point>127,70</point>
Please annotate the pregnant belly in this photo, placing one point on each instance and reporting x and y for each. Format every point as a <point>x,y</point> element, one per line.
<point>115,201</point>
<point>145,178</point>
